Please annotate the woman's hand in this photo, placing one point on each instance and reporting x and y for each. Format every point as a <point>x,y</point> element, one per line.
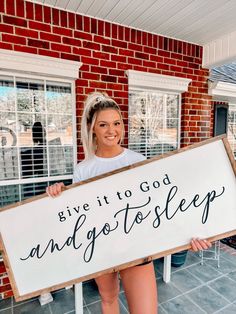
<point>55,189</point>
<point>199,245</point>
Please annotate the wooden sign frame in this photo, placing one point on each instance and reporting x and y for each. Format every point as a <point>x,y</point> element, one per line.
<point>116,268</point>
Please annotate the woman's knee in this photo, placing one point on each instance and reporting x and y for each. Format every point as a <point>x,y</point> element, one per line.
<point>109,296</point>
<point>108,287</point>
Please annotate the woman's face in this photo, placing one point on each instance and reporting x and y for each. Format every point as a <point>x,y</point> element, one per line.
<point>108,128</point>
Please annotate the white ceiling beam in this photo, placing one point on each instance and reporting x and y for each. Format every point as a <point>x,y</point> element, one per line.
<point>220,51</point>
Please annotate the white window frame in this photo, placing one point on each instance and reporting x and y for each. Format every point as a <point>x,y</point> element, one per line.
<point>230,105</point>
<point>146,80</point>
<point>44,68</point>
<point>40,65</point>
<point>47,178</point>
<point>151,82</point>
<point>222,92</point>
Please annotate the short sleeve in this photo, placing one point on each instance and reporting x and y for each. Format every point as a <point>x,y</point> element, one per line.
<point>76,175</point>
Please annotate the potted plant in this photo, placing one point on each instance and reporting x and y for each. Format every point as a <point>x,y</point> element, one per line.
<point>178,259</point>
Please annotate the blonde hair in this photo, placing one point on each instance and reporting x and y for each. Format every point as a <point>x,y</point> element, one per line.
<point>95,103</point>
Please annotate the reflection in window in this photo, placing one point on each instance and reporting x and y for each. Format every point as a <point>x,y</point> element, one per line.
<point>58,98</point>
<point>7,93</point>
<point>231,134</point>
<point>153,122</point>
<point>9,194</point>
<point>31,189</point>
<point>30,95</point>
<point>8,162</point>
<point>13,193</point>
<point>36,140</point>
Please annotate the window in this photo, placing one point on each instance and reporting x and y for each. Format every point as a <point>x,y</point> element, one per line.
<point>232,127</point>
<point>36,138</point>
<point>154,119</point>
<point>225,93</point>
<point>154,112</point>
<point>220,119</point>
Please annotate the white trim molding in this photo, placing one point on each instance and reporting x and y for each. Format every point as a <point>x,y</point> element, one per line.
<point>37,64</point>
<point>145,80</point>
<point>219,51</point>
<point>222,91</point>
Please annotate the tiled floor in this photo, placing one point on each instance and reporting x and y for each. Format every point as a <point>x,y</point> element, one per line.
<point>193,288</point>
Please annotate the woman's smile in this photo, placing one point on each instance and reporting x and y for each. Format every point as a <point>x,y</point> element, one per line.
<point>108,129</point>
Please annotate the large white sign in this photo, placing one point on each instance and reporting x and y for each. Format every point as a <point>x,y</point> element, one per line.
<point>148,210</point>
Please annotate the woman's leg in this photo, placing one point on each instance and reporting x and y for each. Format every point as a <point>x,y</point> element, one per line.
<point>139,283</point>
<point>108,286</point>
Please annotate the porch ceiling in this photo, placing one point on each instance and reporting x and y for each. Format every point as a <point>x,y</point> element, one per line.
<point>198,21</point>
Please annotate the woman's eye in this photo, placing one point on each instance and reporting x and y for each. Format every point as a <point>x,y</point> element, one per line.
<point>117,123</point>
<point>102,125</point>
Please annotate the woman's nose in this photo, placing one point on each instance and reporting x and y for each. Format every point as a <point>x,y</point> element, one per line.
<point>110,128</point>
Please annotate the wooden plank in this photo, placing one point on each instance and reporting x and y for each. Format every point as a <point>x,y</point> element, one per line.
<point>230,154</point>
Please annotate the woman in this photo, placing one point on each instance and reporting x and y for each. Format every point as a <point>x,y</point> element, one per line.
<point>102,131</point>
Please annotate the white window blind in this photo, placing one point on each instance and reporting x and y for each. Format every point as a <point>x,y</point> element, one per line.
<point>154,119</point>
<point>36,137</point>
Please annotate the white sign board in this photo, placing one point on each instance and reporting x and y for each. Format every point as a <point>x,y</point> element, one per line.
<point>151,209</point>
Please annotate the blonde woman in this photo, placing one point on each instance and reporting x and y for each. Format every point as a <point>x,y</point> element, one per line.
<point>102,131</point>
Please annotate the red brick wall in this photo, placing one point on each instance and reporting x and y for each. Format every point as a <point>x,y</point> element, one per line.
<point>107,51</point>
<point>5,288</point>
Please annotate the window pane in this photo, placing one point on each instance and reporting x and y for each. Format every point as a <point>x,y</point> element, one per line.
<point>59,98</point>
<point>30,95</point>
<point>9,194</point>
<point>66,182</point>
<point>57,162</point>
<point>36,139</point>
<point>7,93</point>
<point>8,163</point>
<point>59,129</point>
<point>33,161</point>
<point>153,122</point>
<point>8,127</point>
<point>32,129</point>
<point>68,152</point>
<point>32,189</point>
<point>60,160</point>
<point>172,106</point>
<point>231,134</point>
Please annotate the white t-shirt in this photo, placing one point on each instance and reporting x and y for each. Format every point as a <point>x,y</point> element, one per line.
<point>95,166</point>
